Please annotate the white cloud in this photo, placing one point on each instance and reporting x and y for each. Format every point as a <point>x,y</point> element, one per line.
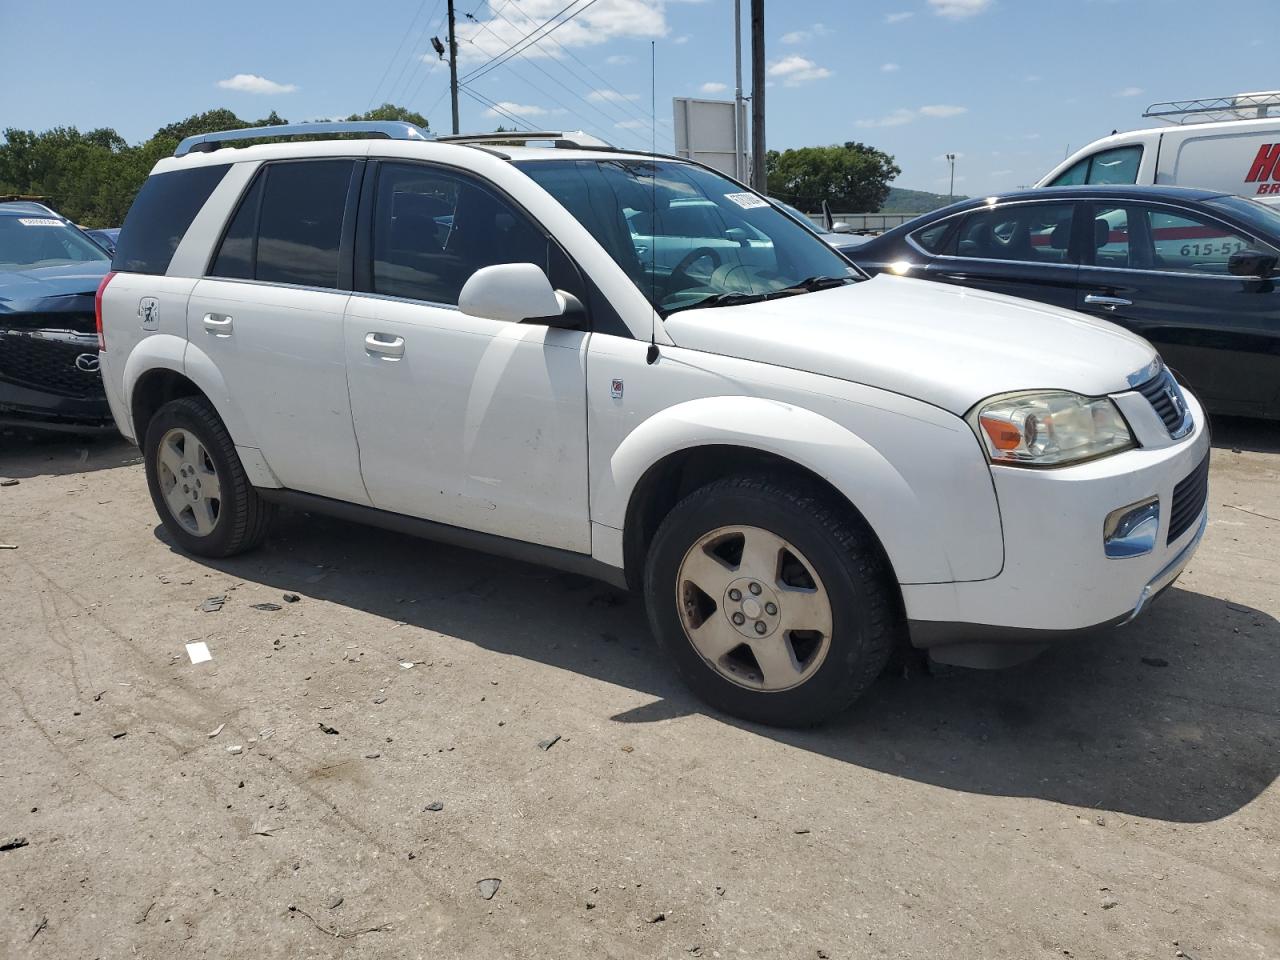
<point>516,109</point>
<point>605,20</point>
<point>632,125</point>
<point>713,87</point>
<point>958,9</point>
<point>899,16</point>
<point>890,68</point>
<point>611,96</point>
<point>795,36</point>
<point>619,60</point>
<point>795,70</point>
<point>252,83</point>
<point>682,39</point>
<point>903,116</point>
<point>1130,92</point>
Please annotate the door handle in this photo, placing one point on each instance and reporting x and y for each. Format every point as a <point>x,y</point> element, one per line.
<point>219,324</point>
<point>1106,303</point>
<point>384,344</point>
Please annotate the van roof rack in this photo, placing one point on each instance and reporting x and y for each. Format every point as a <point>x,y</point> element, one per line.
<point>1243,106</point>
<point>568,139</point>
<point>391,129</point>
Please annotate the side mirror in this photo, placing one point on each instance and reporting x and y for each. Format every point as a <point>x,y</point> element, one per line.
<point>841,228</point>
<point>515,293</point>
<point>1251,263</point>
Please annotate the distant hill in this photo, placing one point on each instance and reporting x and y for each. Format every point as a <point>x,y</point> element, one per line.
<point>915,201</point>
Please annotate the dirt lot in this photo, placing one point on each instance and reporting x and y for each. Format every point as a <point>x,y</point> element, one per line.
<point>1117,798</point>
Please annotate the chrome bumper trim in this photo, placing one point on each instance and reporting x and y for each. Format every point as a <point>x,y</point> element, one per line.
<point>1171,570</point>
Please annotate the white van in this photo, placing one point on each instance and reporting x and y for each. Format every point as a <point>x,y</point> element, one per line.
<point>1230,144</point>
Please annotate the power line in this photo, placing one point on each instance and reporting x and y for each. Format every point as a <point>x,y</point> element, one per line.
<point>390,63</point>
<point>526,36</point>
<point>529,41</point>
<point>496,107</point>
<point>395,92</point>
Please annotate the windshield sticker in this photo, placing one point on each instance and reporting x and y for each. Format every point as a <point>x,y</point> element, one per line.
<point>747,201</point>
<point>39,222</point>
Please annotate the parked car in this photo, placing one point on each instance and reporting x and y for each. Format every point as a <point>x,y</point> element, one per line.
<point>842,240</point>
<point>1236,151</point>
<point>49,272</point>
<point>1190,270</point>
<point>797,467</point>
<point>105,237</point>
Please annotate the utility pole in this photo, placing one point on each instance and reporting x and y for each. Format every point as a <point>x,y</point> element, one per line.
<point>739,105</point>
<point>453,66</point>
<point>758,178</point>
<point>951,159</point>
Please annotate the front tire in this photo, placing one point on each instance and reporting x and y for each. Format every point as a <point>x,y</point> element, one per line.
<point>197,483</point>
<point>774,603</point>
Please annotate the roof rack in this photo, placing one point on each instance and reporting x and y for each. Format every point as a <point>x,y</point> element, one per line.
<point>391,129</point>
<point>568,139</point>
<point>1243,106</point>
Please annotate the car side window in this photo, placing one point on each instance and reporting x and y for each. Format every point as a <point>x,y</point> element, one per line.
<point>1030,232</point>
<point>1111,238</point>
<point>288,227</point>
<point>432,229</point>
<point>1118,165</point>
<point>932,238</point>
<point>1188,243</point>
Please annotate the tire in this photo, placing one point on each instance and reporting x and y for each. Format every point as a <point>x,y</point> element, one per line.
<point>199,470</point>
<point>810,665</point>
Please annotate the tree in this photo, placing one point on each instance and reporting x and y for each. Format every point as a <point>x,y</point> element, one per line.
<point>851,176</point>
<point>389,111</point>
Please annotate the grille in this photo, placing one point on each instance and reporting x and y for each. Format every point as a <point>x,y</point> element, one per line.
<point>1165,396</point>
<point>49,365</point>
<point>1188,500</point>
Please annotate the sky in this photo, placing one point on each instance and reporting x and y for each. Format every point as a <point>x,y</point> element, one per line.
<point>1008,86</point>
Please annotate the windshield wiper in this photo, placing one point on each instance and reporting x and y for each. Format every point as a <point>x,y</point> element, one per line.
<point>721,300</point>
<point>810,284</point>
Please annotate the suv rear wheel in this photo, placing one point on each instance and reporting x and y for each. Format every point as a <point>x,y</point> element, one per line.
<point>775,605</point>
<point>197,483</point>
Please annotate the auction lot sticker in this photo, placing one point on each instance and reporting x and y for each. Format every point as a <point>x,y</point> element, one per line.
<point>747,201</point>
<point>39,222</point>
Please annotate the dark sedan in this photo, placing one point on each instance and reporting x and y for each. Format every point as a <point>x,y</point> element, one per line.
<point>49,273</point>
<point>1193,271</point>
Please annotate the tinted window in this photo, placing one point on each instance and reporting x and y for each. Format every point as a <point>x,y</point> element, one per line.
<point>1115,166</point>
<point>1074,175</point>
<point>160,216</point>
<point>300,222</point>
<point>236,254</point>
<point>1034,232</point>
<point>433,229</point>
<point>43,241</point>
<point>931,238</point>
<point>1111,238</point>
<point>1190,244</point>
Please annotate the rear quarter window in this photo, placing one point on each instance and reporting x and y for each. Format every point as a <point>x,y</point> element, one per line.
<point>160,216</point>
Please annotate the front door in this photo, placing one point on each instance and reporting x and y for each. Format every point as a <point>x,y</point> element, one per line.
<point>1162,272</point>
<point>466,421</point>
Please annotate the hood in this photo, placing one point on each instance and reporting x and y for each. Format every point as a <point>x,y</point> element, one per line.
<point>23,290</point>
<point>945,345</point>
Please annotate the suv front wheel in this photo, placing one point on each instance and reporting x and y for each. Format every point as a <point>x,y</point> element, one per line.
<point>198,484</point>
<point>776,606</point>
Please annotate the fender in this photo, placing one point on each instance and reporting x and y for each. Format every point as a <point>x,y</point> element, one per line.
<point>204,373</point>
<point>855,468</point>
<point>158,351</point>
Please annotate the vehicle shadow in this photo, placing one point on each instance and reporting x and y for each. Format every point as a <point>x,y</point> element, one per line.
<point>26,454</point>
<point>1246,434</point>
<point>1172,718</point>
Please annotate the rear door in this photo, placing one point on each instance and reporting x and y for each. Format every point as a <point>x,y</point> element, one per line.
<point>1161,271</point>
<point>1021,249</point>
<point>269,317</point>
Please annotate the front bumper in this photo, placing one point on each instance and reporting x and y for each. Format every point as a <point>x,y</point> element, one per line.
<point>1057,581</point>
<point>40,409</point>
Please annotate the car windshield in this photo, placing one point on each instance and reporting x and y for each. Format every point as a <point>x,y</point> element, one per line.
<point>687,237</point>
<point>33,241</point>
<point>1262,219</point>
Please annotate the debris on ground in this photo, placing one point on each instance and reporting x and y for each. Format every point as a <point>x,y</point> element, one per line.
<point>44,922</point>
<point>8,482</point>
<point>488,887</point>
<point>801,830</point>
<point>198,651</point>
<point>213,604</point>
<point>216,730</point>
<point>16,843</point>
<point>291,598</point>
<point>8,546</point>
<point>235,749</point>
<point>435,806</point>
<point>266,733</point>
<point>379,699</point>
<point>335,903</point>
<point>267,606</point>
<point>406,664</point>
<point>325,728</point>
<point>142,917</point>
<point>119,736</point>
<point>1155,661</point>
<point>548,744</point>
<point>656,918</point>
<point>1110,903</point>
<point>336,933</point>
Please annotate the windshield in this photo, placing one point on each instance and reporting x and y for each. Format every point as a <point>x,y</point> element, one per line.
<point>688,237</point>
<point>1264,220</point>
<point>36,241</point>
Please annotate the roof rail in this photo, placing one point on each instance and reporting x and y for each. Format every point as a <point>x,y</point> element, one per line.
<point>571,139</point>
<point>391,129</point>
<point>1243,106</point>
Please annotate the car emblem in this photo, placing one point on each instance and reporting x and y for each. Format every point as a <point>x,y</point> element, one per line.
<point>87,362</point>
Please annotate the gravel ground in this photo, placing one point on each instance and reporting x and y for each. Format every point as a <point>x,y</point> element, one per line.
<point>1114,798</point>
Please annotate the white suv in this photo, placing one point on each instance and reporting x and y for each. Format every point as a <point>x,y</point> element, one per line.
<point>798,467</point>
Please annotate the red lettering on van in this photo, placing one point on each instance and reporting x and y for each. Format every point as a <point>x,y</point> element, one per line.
<point>1265,164</point>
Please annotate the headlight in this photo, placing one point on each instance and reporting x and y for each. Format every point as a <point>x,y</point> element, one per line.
<point>1049,429</point>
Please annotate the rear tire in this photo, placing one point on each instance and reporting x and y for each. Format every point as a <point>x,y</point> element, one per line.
<point>775,603</point>
<point>197,483</point>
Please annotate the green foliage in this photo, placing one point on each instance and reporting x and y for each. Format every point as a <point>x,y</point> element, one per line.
<point>915,201</point>
<point>92,177</point>
<point>852,177</point>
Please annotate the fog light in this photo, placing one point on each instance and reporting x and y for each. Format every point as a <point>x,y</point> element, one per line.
<point>1131,531</point>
